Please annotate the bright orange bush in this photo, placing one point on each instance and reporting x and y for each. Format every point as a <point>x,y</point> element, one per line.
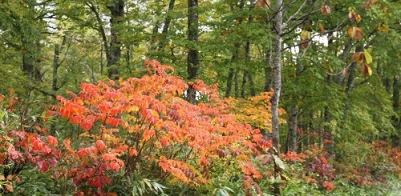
<point>140,123</point>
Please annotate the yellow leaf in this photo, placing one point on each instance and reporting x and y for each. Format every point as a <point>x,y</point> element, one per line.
<point>368,57</point>
<point>305,35</point>
<point>132,109</point>
<point>111,138</point>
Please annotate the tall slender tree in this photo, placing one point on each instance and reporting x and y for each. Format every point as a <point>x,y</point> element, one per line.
<point>192,57</point>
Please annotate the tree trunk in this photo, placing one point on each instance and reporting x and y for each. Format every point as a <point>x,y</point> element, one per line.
<point>292,132</point>
<point>231,73</point>
<point>116,19</point>
<point>229,82</point>
<point>236,85</point>
<point>55,67</point>
<point>192,58</point>
<point>277,76</point>
<point>247,60</point>
<point>166,26</point>
<point>244,78</point>
<point>396,93</point>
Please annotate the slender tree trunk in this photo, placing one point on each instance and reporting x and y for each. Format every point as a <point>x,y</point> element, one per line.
<point>30,57</point>
<point>268,78</point>
<point>293,128</point>
<point>346,51</point>
<point>236,85</point>
<point>232,72</point>
<point>192,57</point>
<point>247,60</point>
<point>166,26</point>
<point>101,59</point>
<point>396,92</point>
<point>105,45</point>
<point>55,67</point>
<point>277,76</point>
<point>229,82</point>
<point>268,70</point>
<point>244,78</point>
<point>248,55</point>
<point>155,35</point>
<point>116,19</point>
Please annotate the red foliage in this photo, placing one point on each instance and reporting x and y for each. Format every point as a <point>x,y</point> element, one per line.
<point>33,150</point>
<point>293,157</point>
<point>144,119</point>
<point>328,186</point>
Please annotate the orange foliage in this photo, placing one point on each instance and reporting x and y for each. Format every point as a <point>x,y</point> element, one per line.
<point>254,111</point>
<point>147,119</point>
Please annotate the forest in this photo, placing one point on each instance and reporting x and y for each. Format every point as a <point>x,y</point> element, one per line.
<point>214,97</point>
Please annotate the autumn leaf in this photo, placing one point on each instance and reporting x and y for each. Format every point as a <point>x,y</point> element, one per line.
<point>115,166</point>
<point>147,134</point>
<point>9,187</point>
<point>100,145</point>
<point>366,70</point>
<point>164,142</point>
<point>353,16</point>
<point>113,121</point>
<point>87,123</point>
<point>325,10</point>
<point>321,28</point>
<point>108,157</point>
<point>262,3</point>
<point>355,33</point>
<point>52,140</point>
<point>43,166</point>
<point>76,119</point>
<point>358,57</point>
<point>305,35</point>
<point>132,152</point>
<point>66,112</point>
<point>328,186</point>
<point>369,3</point>
<point>67,145</point>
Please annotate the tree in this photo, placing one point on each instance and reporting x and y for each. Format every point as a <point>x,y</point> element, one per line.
<point>192,57</point>
<point>278,28</point>
<point>23,27</point>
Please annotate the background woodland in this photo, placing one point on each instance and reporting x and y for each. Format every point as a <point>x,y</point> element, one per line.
<point>219,97</point>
